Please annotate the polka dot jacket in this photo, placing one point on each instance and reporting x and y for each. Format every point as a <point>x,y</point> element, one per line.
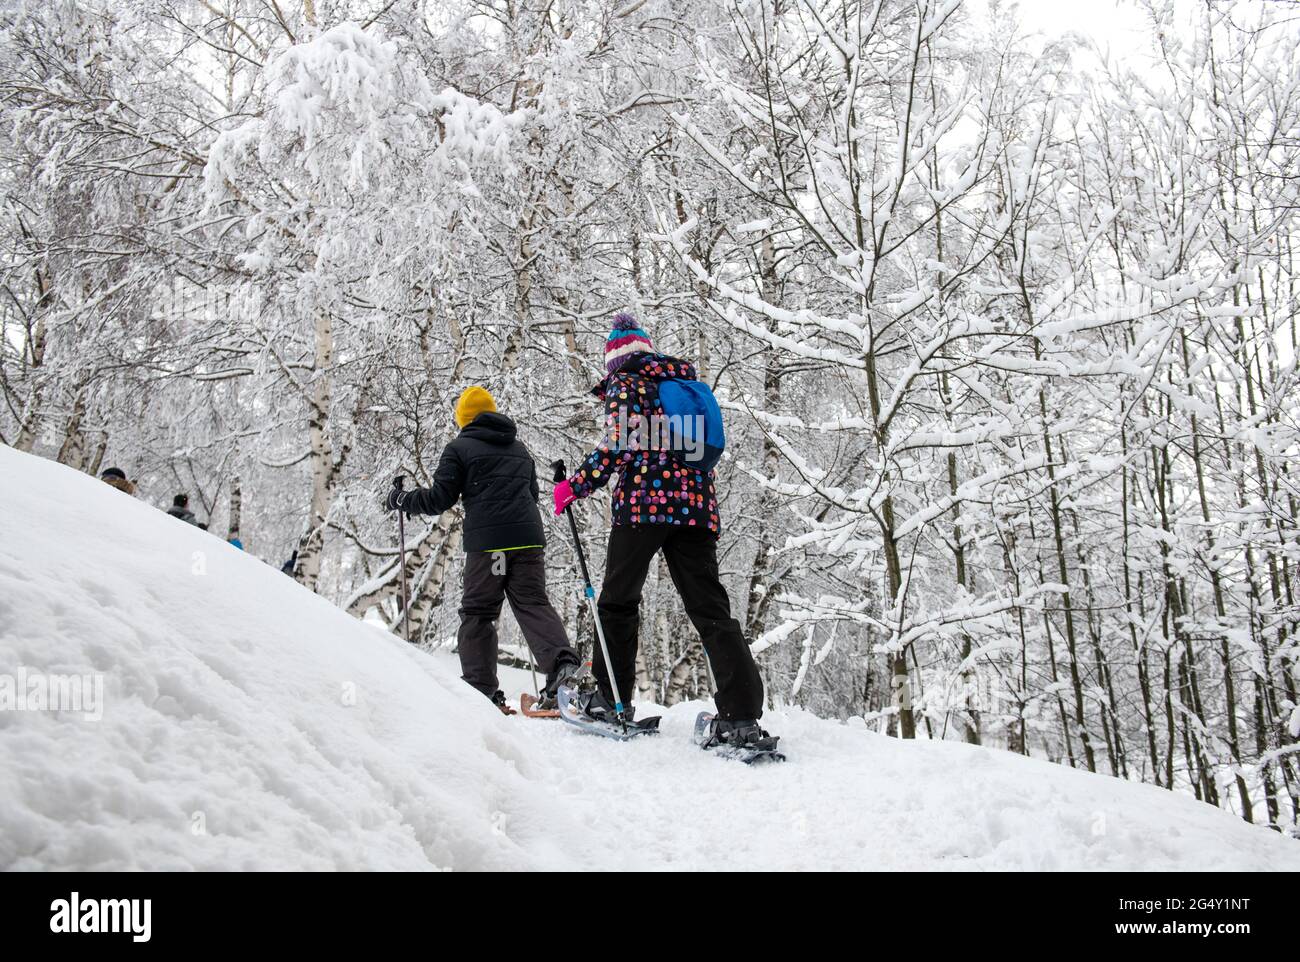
<point>650,486</point>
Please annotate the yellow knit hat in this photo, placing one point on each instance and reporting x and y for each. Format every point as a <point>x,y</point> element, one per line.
<point>473,402</point>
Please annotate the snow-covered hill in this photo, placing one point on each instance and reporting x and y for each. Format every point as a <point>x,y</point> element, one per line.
<point>249,724</point>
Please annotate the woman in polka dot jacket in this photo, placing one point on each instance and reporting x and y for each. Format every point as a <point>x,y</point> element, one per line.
<point>653,487</point>
<point>661,502</point>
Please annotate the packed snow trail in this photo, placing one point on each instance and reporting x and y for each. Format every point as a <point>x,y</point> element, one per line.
<point>249,724</point>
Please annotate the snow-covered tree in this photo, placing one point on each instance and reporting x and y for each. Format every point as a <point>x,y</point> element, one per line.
<point>1006,333</point>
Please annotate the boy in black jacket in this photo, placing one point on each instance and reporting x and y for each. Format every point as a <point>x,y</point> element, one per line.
<point>504,541</point>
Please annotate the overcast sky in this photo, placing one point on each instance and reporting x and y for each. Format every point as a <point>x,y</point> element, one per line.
<point>1117,24</point>
<point>1116,21</point>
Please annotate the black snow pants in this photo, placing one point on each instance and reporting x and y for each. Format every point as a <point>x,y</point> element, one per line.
<point>692,557</point>
<point>490,578</point>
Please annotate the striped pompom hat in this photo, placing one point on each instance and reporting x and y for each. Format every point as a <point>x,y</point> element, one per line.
<point>624,340</point>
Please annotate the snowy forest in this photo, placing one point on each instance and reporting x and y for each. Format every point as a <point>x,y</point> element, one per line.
<point>1005,330</point>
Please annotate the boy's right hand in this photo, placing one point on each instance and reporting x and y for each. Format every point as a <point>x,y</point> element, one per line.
<point>394,500</point>
<point>564,496</point>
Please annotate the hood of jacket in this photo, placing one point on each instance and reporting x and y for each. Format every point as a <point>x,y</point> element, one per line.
<point>656,367</point>
<point>492,427</point>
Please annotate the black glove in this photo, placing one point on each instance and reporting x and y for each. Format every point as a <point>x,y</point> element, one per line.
<point>393,502</point>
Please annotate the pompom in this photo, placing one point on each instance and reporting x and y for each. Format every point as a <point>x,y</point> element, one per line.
<point>625,322</point>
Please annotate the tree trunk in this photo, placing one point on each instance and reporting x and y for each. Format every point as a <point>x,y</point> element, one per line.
<point>322,463</point>
<point>236,509</point>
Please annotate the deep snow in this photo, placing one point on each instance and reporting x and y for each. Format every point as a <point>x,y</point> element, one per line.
<point>249,724</point>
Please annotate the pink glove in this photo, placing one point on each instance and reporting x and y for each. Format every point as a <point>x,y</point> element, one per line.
<point>564,496</point>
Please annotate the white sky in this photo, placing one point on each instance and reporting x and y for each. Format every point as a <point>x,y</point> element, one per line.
<point>1117,25</point>
<point>1115,22</point>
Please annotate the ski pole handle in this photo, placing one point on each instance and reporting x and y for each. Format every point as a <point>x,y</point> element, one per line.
<point>399,483</point>
<point>559,473</point>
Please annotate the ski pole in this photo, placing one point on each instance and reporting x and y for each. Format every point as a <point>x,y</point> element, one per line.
<point>590,594</point>
<point>398,482</point>
<point>532,666</point>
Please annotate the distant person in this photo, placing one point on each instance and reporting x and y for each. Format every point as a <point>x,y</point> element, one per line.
<point>490,468</point>
<point>117,478</point>
<point>236,542</point>
<point>181,509</point>
<point>292,563</point>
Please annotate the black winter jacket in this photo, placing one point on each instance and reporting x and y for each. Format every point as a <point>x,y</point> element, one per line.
<point>495,474</point>
<point>184,514</point>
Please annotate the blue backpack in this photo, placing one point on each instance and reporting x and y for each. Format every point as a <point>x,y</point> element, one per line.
<point>694,422</point>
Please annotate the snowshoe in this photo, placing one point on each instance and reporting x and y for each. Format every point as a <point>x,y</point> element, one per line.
<point>743,741</point>
<point>547,704</point>
<point>587,711</point>
<point>534,707</point>
<point>499,699</point>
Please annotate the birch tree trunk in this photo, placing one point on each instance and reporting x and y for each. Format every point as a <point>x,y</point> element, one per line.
<point>308,568</point>
<point>236,509</point>
<point>72,451</point>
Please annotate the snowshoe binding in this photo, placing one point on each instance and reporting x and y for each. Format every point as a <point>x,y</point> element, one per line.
<point>742,740</point>
<point>587,710</point>
<point>547,705</point>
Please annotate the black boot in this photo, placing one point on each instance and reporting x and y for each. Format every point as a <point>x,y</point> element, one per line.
<point>565,673</point>
<point>740,733</point>
<point>598,708</point>
<point>499,699</point>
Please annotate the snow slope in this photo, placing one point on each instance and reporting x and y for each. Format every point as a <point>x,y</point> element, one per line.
<point>249,724</point>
